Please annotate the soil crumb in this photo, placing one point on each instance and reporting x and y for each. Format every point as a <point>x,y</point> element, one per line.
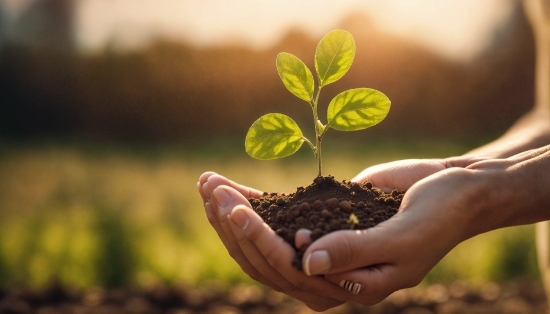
<point>325,206</point>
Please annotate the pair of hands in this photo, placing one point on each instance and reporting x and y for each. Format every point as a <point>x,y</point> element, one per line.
<point>445,198</point>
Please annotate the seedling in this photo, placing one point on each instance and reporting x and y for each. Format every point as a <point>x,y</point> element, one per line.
<point>353,221</point>
<point>276,135</point>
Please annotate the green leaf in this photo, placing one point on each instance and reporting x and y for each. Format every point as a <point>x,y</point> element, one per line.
<point>295,75</point>
<point>334,56</point>
<point>273,135</point>
<point>357,109</point>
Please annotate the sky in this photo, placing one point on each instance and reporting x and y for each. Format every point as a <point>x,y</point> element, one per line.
<point>457,29</point>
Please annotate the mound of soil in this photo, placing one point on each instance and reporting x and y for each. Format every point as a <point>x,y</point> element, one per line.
<point>325,206</point>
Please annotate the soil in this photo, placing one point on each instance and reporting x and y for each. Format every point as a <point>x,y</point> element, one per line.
<point>325,206</point>
<point>214,298</point>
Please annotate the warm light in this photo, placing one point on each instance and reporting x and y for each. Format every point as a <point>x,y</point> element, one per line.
<point>457,29</point>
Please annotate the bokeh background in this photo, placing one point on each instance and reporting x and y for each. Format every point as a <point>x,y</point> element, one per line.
<point>111,109</point>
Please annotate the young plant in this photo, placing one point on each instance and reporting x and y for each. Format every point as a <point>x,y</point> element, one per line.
<point>276,135</point>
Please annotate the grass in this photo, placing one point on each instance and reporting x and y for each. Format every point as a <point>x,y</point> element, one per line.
<point>130,215</point>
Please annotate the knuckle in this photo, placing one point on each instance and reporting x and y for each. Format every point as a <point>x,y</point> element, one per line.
<point>347,254</point>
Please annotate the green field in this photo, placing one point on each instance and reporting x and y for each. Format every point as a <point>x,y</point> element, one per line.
<point>109,214</point>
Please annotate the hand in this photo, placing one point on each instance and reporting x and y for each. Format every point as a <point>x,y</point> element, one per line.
<point>262,254</point>
<point>402,174</point>
<point>436,214</point>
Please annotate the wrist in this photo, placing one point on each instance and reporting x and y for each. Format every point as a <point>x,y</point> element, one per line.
<point>510,192</point>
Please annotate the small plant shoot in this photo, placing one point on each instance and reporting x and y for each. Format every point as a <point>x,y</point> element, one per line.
<point>276,135</point>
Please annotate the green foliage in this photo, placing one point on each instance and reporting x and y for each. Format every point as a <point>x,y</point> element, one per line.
<point>334,56</point>
<point>115,257</point>
<point>357,109</point>
<point>295,75</point>
<point>81,212</point>
<point>275,135</point>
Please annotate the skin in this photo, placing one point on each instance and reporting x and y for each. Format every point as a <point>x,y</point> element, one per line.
<point>448,201</point>
<point>501,184</point>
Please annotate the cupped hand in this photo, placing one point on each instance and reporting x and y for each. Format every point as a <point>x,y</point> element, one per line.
<point>261,253</point>
<point>402,174</point>
<point>399,252</point>
<point>266,258</point>
<point>447,205</point>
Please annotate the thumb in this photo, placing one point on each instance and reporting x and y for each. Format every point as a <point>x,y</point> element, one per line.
<point>346,250</point>
<point>362,262</point>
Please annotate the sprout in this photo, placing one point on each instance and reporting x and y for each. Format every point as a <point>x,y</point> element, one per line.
<point>353,221</point>
<point>276,135</point>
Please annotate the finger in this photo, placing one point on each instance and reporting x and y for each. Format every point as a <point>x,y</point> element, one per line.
<point>372,284</point>
<point>530,154</point>
<point>216,180</point>
<point>360,264</point>
<point>202,180</point>
<point>400,174</point>
<point>503,163</point>
<point>270,253</point>
<point>462,161</point>
<point>348,249</point>
<point>302,237</point>
<point>245,220</point>
<point>222,202</point>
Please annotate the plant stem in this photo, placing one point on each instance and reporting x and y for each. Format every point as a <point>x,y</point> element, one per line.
<point>318,135</point>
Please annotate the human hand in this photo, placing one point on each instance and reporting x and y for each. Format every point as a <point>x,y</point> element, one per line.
<point>261,253</point>
<point>255,255</point>
<point>402,174</point>
<point>436,214</point>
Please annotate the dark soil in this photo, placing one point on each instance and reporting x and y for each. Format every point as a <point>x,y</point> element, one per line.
<point>325,206</point>
<point>212,298</point>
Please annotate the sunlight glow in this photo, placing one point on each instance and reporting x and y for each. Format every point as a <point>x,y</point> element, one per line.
<point>456,29</point>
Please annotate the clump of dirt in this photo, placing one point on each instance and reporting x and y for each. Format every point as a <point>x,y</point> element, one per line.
<point>325,206</point>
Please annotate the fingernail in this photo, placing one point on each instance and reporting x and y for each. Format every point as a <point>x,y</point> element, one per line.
<point>223,198</point>
<point>302,237</point>
<point>240,218</point>
<point>352,287</point>
<point>316,263</point>
<point>206,191</point>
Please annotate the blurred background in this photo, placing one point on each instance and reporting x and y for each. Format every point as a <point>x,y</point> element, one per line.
<point>111,109</point>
